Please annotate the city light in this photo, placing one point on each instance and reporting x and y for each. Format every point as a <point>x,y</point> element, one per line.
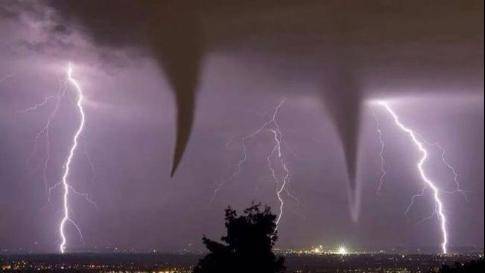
<point>342,250</point>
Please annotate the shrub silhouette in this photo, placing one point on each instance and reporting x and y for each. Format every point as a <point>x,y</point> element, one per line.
<point>247,247</point>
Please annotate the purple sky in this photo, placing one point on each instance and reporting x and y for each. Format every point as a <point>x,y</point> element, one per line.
<point>429,68</point>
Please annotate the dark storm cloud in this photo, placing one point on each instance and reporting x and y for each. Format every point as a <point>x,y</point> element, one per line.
<point>6,13</point>
<point>168,30</point>
<point>46,36</point>
<point>348,46</point>
<point>335,53</point>
<point>11,9</point>
<point>171,32</point>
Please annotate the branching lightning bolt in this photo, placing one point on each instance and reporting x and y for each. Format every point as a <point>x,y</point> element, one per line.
<point>45,131</point>
<point>67,166</point>
<point>439,207</point>
<point>458,188</point>
<point>67,189</point>
<point>444,160</point>
<point>381,154</point>
<point>413,200</point>
<point>281,185</point>
<point>281,181</point>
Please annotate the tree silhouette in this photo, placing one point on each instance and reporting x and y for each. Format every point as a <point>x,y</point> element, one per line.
<point>247,246</point>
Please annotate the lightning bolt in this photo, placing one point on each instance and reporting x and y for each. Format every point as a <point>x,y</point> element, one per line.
<point>444,160</point>
<point>439,207</point>
<point>281,180</point>
<point>381,153</point>
<point>280,183</point>
<point>67,165</point>
<point>45,131</point>
<point>67,188</point>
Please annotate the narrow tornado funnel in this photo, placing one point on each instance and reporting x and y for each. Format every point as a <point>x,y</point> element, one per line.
<point>179,49</point>
<point>343,104</point>
<point>170,30</point>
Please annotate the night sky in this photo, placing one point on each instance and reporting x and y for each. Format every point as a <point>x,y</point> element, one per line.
<point>159,74</point>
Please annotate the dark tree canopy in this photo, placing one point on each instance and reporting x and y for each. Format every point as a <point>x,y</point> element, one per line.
<point>247,246</point>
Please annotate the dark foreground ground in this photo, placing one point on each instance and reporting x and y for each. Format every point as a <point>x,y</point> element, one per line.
<point>172,263</point>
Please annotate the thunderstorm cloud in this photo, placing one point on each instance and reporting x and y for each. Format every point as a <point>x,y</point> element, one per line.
<point>337,55</point>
